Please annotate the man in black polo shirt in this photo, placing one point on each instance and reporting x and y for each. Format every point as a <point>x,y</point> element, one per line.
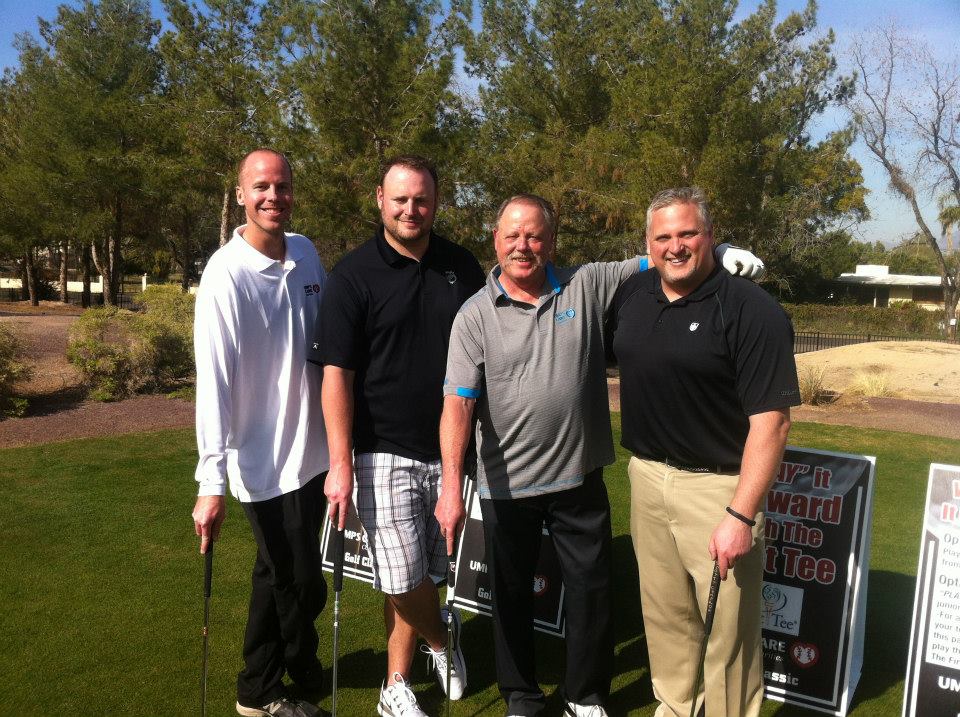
<point>382,337</point>
<point>707,380</point>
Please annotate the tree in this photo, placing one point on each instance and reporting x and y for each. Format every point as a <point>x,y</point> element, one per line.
<point>599,120</point>
<point>908,114</point>
<point>220,106</point>
<point>100,105</point>
<point>361,80</point>
<point>28,167</point>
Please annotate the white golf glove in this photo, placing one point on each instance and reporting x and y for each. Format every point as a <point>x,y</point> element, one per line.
<point>740,262</point>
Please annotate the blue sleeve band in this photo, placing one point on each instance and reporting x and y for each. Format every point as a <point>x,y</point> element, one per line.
<point>468,392</point>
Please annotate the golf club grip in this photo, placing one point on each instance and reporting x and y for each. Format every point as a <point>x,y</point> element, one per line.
<point>338,561</point>
<point>712,600</point>
<point>208,569</point>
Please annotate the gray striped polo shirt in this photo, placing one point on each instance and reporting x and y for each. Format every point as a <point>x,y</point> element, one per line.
<point>538,373</point>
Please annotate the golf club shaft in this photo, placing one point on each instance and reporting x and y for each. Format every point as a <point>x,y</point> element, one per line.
<point>707,628</point>
<point>207,583</point>
<point>451,589</point>
<point>337,587</point>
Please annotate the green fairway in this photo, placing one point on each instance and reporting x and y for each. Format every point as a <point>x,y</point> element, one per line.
<point>102,587</point>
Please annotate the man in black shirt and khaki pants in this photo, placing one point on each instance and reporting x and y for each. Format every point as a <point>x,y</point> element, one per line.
<point>707,381</point>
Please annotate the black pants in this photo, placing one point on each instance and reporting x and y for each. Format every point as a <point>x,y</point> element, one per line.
<point>579,524</point>
<point>288,592</point>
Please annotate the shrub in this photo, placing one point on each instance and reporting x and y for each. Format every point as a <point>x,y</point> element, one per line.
<point>812,390</point>
<point>121,352</point>
<point>872,383</point>
<point>897,320</point>
<point>12,369</point>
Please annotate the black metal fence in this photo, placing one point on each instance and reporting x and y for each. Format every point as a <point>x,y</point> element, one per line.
<point>804,341</point>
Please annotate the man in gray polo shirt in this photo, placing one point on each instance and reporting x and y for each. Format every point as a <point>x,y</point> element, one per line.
<point>527,352</point>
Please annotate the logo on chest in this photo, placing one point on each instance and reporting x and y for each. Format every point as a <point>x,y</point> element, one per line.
<point>694,325</point>
<point>564,316</point>
<point>451,277</point>
<point>311,289</point>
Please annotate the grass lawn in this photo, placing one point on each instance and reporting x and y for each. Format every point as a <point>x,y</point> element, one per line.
<point>102,587</point>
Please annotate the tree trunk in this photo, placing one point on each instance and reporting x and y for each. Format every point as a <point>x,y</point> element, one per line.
<point>103,269</point>
<point>24,281</point>
<point>225,218</point>
<point>31,277</point>
<point>85,266</point>
<point>185,254</point>
<point>64,256</point>
<point>950,299</point>
<point>114,259</point>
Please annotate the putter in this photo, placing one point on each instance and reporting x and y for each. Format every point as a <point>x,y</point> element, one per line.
<point>451,588</point>
<point>337,587</point>
<point>707,627</point>
<point>207,581</point>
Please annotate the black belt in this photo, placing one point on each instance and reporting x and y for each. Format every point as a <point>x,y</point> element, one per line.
<point>716,468</point>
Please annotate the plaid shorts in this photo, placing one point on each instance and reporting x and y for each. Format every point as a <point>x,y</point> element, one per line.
<point>395,498</point>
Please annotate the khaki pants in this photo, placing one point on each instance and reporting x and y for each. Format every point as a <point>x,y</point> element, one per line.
<point>672,516</point>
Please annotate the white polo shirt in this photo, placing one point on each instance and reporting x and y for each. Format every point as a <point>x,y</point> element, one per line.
<point>258,399</point>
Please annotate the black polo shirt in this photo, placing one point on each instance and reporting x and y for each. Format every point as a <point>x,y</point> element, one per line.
<point>694,370</point>
<point>388,318</point>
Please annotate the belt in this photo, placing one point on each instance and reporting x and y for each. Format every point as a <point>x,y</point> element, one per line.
<point>715,468</point>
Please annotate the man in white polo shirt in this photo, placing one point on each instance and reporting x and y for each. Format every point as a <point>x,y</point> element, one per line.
<point>259,425</point>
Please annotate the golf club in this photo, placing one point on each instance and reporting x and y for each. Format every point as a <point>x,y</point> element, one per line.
<point>207,581</point>
<point>451,588</point>
<point>337,587</point>
<point>707,627</point>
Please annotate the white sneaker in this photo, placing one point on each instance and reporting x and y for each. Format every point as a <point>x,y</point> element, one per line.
<point>398,700</point>
<point>438,660</point>
<point>574,710</point>
<point>280,708</point>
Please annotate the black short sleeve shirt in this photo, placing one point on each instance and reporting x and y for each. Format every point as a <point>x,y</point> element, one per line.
<point>693,370</point>
<point>388,317</point>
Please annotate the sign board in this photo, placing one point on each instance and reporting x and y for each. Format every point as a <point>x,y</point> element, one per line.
<point>472,591</point>
<point>473,582</point>
<point>932,687</point>
<point>817,527</point>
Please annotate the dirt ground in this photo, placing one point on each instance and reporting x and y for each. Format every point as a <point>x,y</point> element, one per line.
<point>928,373</point>
<point>58,410</point>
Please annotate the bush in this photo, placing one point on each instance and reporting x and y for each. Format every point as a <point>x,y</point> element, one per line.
<point>873,383</point>
<point>120,353</point>
<point>905,319</point>
<point>12,369</point>
<point>812,389</point>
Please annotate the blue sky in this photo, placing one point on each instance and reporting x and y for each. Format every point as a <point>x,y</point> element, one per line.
<point>936,22</point>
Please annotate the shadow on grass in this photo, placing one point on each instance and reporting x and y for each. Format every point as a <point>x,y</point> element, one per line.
<point>631,686</point>
<point>889,616</point>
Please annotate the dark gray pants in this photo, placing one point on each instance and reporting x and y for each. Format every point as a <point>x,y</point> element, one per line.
<point>288,592</point>
<point>579,523</point>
